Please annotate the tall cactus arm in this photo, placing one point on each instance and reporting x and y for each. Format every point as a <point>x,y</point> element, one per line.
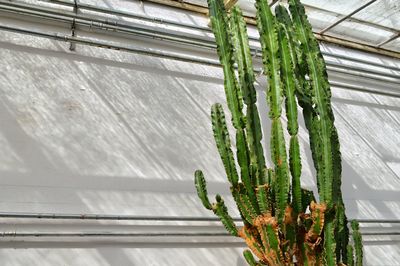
<point>357,243</point>
<point>243,56</point>
<point>322,120</point>
<point>220,27</point>
<point>267,28</point>
<point>221,211</point>
<point>201,187</point>
<point>283,17</point>
<point>290,85</point>
<point>222,140</point>
<point>247,78</point>
<point>320,93</point>
<point>288,77</point>
<point>296,54</point>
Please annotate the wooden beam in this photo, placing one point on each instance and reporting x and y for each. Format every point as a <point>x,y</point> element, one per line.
<point>229,4</point>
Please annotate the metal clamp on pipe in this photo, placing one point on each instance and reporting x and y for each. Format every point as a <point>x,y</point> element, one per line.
<point>72,45</point>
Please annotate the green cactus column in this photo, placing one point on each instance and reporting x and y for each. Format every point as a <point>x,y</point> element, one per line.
<point>268,29</point>
<point>244,62</point>
<point>326,148</point>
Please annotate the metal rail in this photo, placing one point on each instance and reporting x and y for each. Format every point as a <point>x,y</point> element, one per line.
<point>181,4</point>
<point>111,11</point>
<point>162,54</point>
<point>390,39</point>
<point>167,22</point>
<point>394,37</point>
<point>101,24</point>
<point>104,234</point>
<point>54,216</point>
<point>146,235</point>
<point>347,16</point>
<point>109,25</point>
<point>137,50</point>
<point>363,89</point>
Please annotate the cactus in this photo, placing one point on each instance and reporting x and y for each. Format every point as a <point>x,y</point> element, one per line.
<point>283,223</point>
<point>357,243</point>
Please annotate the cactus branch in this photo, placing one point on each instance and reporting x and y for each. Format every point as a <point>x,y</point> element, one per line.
<point>201,188</point>
<point>357,243</point>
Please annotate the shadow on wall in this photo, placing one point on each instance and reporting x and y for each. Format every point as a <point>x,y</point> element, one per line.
<point>110,132</point>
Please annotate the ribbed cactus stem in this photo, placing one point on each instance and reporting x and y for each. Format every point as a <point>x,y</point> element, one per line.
<point>290,86</point>
<point>321,120</point>
<point>219,25</point>
<point>320,95</point>
<point>221,211</point>
<point>268,28</point>
<point>357,243</point>
<point>201,187</point>
<point>350,255</point>
<point>249,258</point>
<point>243,60</point>
<point>223,142</point>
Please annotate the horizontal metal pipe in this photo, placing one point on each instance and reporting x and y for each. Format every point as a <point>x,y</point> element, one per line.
<point>125,28</point>
<point>111,11</point>
<point>109,217</point>
<point>380,233</point>
<point>368,71</point>
<point>102,24</point>
<point>167,22</point>
<point>103,234</point>
<point>175,234</point>
<point>155,53</point>
<point>360,60</point>
<point>373,221</point>
<point>54,216</point>
<point>137,50</point>
<point>368,74</point>
<point>363,89</point>
<point>153,243</point>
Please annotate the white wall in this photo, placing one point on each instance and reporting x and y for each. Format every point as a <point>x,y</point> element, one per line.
<point>110,132</point>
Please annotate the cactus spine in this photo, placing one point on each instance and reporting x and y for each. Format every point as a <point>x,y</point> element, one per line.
<point>271,202</point>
